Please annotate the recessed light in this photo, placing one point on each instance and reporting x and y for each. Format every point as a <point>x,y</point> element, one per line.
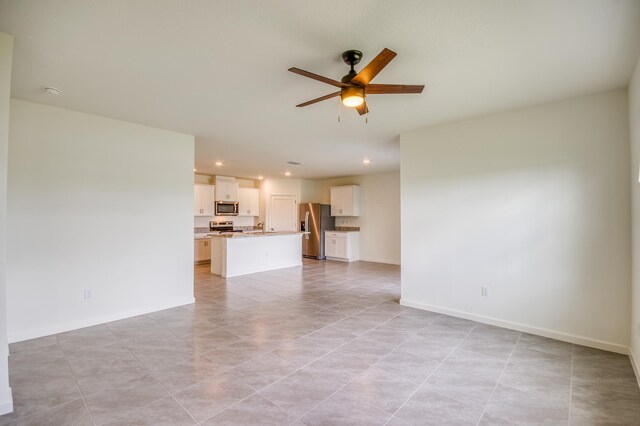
<point>195,170</point>
<point>260,177</point>
<point>366,161</point>
<point>218,163</point>
<point>287,173</point>
<point>50,90</point>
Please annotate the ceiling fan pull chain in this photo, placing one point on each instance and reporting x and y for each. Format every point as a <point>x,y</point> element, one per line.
<point>339,102</point>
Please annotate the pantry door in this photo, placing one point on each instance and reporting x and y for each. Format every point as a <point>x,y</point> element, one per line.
<point>284,213</point>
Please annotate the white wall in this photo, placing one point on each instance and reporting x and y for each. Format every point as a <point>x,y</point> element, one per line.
<point>535,204</point>
<point>6,52</point>
<point>100,204</point>
<point>308,191</point>
<point>634,129</point>
<point>379,219</point>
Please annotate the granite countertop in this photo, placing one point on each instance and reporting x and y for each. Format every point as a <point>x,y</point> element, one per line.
<point>202,236</point>
<point>204,233</point>
<point>254,234</point>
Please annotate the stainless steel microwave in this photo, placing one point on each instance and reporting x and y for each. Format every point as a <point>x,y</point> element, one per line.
<point>226,208</point>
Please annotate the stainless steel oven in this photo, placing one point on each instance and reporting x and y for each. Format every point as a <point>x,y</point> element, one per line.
<point>226,208</point>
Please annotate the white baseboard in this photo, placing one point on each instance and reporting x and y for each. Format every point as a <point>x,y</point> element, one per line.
<point>636,367</point>
<point>553,334</point>
<point>7,406</point>
<point>386,261</point>
<point>50,329</point>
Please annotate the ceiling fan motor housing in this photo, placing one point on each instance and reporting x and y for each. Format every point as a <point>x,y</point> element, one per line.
<point>351,58</point>
<point>347,78</point>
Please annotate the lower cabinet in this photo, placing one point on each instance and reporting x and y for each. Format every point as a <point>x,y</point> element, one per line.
<point>343,246</point>
<point>202,250</point>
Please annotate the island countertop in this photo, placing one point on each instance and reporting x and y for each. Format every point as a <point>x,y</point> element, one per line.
<point>253,234</point>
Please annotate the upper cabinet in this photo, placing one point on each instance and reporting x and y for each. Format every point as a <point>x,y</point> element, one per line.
<point>203,200</point>
<point>248,202</point>
<point>226,190</point>
<point>345,200</point>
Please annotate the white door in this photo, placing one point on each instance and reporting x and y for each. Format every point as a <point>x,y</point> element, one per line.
<point>284,213</point>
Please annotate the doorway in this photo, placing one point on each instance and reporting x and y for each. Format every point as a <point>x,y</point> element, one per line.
<point>283,213</point>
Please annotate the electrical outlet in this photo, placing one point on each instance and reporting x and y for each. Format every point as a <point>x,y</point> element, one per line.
<point>484,291</point>
<point>87,293</point>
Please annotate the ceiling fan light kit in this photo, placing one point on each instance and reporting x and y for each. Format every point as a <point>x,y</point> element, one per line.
<point>354,86</point>
<point>352,96</point>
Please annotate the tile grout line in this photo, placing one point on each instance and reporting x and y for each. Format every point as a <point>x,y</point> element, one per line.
<point>76,382</point>
<point>306,365</point>
<point>432,373</point>
<point>149,372</point>
<point>61,404</point>
<point>360,374</point>
<point>571,384</point>
<point>499,379</point>
<point>162,386</point>
<point>330,352</point>
<point>376,303</point>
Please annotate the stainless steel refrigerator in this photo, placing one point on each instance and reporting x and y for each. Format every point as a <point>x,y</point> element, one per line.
<point>315,218</point>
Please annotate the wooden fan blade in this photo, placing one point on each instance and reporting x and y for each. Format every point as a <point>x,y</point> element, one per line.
<point>362,108</point>
<point>322,98</point>
<point>381,89</point>
<point>317,77</point>
<point>374,67</point>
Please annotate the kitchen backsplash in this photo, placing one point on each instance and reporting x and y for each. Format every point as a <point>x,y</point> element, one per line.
<point>347,222</point>
<point>203,221</point>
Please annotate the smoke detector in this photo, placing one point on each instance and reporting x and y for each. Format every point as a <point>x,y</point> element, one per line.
<point>50,90</point>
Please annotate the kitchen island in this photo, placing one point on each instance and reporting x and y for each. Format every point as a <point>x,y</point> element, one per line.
<point>234,254</point>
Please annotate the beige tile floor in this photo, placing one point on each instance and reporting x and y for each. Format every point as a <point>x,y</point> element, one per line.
<point>326,343</point>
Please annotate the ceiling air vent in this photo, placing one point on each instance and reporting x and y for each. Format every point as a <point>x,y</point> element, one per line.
<point>293,163</point>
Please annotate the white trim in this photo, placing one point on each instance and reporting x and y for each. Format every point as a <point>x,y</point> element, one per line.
<point>636,367</point>
<point>385,261</point>
<point>7,406</point>
<point>339,259</point>
<point>553,334</point>
<point>74,325</point>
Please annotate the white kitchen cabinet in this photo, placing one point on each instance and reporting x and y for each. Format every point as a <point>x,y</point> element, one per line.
<point>248,202</point>
<point>344,246</point>
<point>202,250</point>
<point>226,190</point>
<point>345,200</point>
<point>203,196</point>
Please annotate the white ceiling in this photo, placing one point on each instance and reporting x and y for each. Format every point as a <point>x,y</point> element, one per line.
<point>218,69</point>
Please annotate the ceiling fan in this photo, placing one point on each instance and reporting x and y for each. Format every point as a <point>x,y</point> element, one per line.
<point>355,86</point>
